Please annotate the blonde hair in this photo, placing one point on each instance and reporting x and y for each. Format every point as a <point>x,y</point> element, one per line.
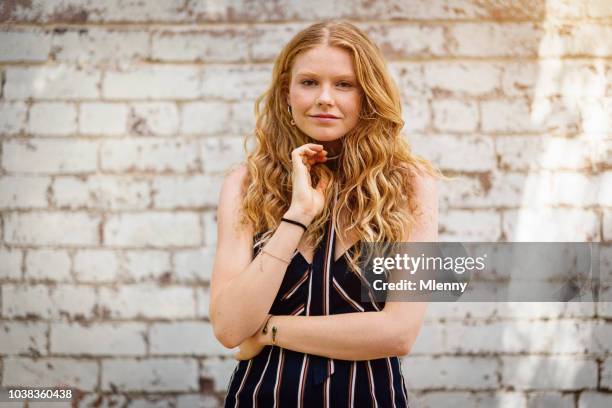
<point>375,169</point>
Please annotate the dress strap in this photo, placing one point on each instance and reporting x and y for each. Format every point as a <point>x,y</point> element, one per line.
<point>319,298</point>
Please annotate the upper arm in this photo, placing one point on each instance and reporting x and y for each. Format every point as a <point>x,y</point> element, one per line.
<point>407,315</point>
<point>234,241</point>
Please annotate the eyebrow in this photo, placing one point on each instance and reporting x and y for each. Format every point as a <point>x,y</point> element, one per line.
<point>341,76</point>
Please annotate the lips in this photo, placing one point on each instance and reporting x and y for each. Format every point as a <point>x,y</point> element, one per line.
<point>325,116</point>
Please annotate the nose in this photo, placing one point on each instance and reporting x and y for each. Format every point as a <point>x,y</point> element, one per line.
<point>325,97</point>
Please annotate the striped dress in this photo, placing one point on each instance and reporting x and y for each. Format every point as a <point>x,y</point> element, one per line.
<point>278,377</point>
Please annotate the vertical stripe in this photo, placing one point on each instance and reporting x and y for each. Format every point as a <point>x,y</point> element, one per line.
<point>263,374</point>
<point>371,381</point>
<point>352,385</point>
<point>399,360</point>
<point>231,384</point>
<point>279,375</point>
<point>309,294</point>
<point>246,374</point>
<point>303,375</point>
<point>391,386</point>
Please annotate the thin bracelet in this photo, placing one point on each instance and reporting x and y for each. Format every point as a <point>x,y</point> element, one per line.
<point>274,330</point>
<point>299,224</point>
<point>265,328</point>
<point>276,257</point>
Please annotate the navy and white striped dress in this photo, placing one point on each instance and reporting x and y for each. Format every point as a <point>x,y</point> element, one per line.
<point>278,377</point>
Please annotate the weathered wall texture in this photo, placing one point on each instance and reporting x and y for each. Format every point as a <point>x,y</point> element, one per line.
<point>117,119</point>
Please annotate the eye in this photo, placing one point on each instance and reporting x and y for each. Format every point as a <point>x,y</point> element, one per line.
<point>345,84</point>
<point>307,82</point>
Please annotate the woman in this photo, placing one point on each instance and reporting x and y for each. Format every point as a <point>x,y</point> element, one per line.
<point>286,282</point>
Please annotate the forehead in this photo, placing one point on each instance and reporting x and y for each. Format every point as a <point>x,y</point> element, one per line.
<point>324,60</point>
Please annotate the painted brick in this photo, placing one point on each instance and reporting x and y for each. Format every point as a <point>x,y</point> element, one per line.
<point>219,154</point>
<point>117,339</point>
<point>38,228</point>
<point>31,45</point>
<point>47,264</point>
<point>149,155</point>
<point>218,369</point>
<point>548,372</point>
<point>217,44</point>
<point>462,78</point>
<point>101,192</point>
<point>476,226</point>
<point>154,375</point>
<point>234,82</point>
<point>401,40</point>
<point>550,400</point>
<point>23,337</point>
<point>450,372</point>
<point>606,373</point>
<point>21,192</point>
<point>205,118</point>
<point>10,263</point>
<point>148,301</point>
<point>152,82</point>
<point>153,230</point>
<point>60,82</point>
<point>96,265</point>
<point>592,399</point>
<point>492,40</point>
<point>464,153</point>
<point>194,265</point>
<point>455,116</point>
<point>146,265</point>
<point>181,192</point>
<point>153,119</point>
<point>192,338</point>
<point>12,117</point>
<point>541,224</point>
<point>49,156</point>
<point>108,119</point>
<point>52,119</point>
<point>50,372</point>
<point>100,46</point>
<point>202,302</point>
<point>48,302</point>
<point>525,153</point>
<point>518,115</point>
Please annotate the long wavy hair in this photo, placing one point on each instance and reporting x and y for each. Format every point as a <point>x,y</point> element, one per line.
<point>373,182</point>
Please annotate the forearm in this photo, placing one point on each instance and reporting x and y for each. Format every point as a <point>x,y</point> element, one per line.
<point>244,302</point>
<point>349,336</point>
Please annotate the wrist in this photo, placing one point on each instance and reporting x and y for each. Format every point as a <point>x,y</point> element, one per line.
<point>299,215</point>
<point>264,337</point>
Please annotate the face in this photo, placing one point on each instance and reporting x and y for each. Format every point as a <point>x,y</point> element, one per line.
<point>323,82</point>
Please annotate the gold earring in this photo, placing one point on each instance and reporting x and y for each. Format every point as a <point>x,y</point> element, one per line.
<point>290,114</point>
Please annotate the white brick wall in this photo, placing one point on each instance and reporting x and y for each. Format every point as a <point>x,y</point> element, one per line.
<point>119,118</point>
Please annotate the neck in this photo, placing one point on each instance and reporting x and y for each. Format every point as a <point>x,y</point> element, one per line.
<point>333,148</point>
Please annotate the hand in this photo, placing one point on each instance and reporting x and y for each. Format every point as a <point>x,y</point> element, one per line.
<point>249,348</point>
<point>304,198</point>
<point>252,346</point>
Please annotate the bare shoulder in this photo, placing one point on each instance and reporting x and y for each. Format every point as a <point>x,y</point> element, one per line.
<point>236,176</point>
<point>425,185</point>
<point>231,198</point>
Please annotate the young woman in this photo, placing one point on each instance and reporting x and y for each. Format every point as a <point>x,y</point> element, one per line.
<point>286,283</point>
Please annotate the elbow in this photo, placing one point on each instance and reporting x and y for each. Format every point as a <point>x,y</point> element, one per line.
<point>225,337</point>
<point>403,343</point>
